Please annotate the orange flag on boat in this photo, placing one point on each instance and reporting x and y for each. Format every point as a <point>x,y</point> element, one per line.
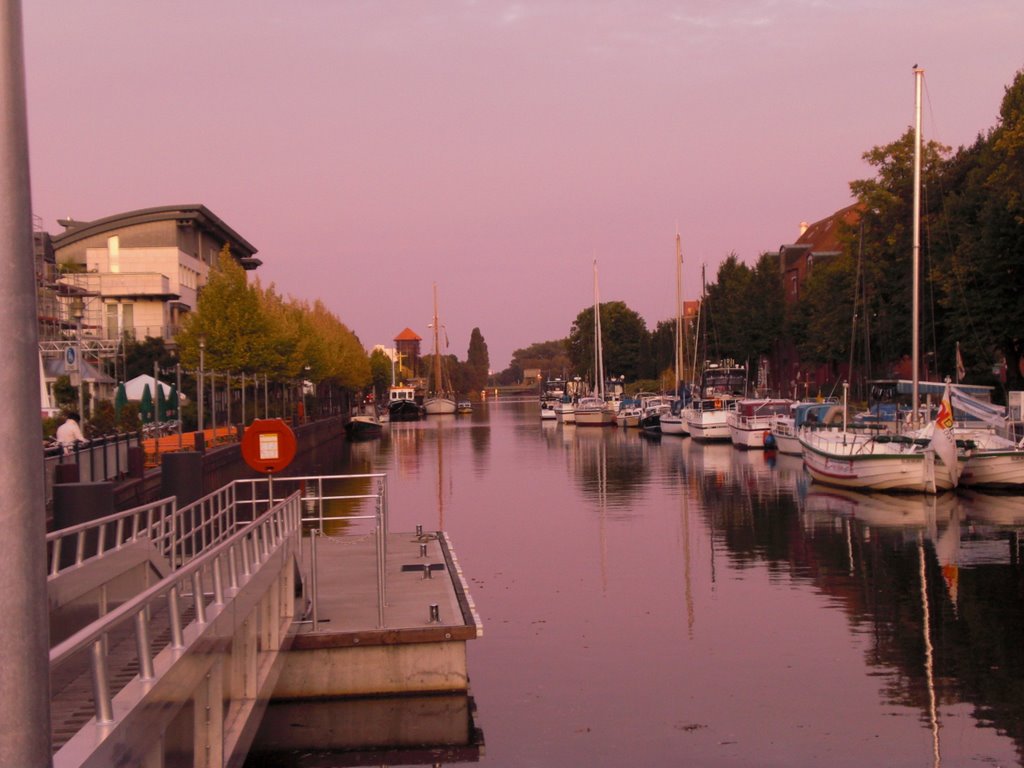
<point>943,440</point>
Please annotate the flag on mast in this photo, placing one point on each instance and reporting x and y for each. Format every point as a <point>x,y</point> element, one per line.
<point>943,440</point>
<point>960,371</point>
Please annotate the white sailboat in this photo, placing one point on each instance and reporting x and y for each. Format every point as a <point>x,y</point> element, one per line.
<point>672,422</point>
<point>441,400</point>
<point>925,461</point>
<point>594,410</point>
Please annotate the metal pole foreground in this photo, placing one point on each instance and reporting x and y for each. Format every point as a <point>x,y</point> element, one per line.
<point>24,632</point>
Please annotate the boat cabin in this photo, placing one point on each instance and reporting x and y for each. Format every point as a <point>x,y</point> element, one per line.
<point>758,409</point>
<point>725,378</point>
<point>399,394</point>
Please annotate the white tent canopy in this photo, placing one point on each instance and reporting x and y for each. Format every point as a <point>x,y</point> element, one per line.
<point>133,389</point>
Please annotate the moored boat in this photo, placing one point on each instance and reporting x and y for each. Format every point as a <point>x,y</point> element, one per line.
<point>565,410</point>
<point>595,410</point>
<point>442,399</point>
<point>722,385</point>
<point>786,426</point>
<point>402,405</point>
<point>651,410</point>
<point>927,459</point>
<point>364,424</point>
<point>750,423</point>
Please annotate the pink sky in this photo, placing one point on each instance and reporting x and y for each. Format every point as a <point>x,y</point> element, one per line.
<point>369,149</point>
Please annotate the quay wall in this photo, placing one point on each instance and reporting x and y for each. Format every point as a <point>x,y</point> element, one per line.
<point>223,464</point>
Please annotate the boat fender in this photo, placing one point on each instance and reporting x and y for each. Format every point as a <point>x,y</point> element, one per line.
<point>769,439</point>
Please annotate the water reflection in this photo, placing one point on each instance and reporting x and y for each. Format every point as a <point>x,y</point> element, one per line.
<point>658,602</point>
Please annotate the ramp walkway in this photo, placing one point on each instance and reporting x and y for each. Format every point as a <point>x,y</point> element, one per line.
<point>172,628</point>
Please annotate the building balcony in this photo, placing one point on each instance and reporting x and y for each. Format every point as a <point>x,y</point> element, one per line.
<point>125,285</point>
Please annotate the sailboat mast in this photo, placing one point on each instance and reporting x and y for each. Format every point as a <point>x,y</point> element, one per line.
<point>437,349</point>
<point>679,312</point>
<point>598,355</point>
<point>916,247</point>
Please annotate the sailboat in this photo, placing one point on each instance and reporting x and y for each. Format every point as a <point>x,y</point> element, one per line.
<point>441,399</point>
<point>672,423</point>
<point>595,411</point>
<point>924,461</point>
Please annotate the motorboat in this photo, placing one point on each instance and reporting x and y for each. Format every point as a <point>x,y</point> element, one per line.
<point>750,423</point>
<point>402,405</point>
<point>786,426</point>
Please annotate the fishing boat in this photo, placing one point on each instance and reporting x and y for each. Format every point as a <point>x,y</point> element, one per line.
<point>594,410</point>
<point>926,459</point>
<point>442,399</point>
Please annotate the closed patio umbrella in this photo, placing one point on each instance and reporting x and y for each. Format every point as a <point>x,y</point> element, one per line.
<point>146,405</point>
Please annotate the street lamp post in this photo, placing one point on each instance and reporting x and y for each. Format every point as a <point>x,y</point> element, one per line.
<point>202,361</point>
<point>78,312</point>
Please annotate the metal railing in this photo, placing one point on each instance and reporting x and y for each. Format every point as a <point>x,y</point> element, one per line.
<point>102,458</point>
<point>155,522</point>
<point>185,597</point>
<point>314,498</point>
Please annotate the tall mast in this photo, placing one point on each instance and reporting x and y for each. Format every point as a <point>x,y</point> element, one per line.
<point>598,354</point>
<point>916,247</point>
<point>679,312</point>
<point>437,349</point>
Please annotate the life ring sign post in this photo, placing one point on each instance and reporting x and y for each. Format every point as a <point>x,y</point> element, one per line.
<point>268,446</point>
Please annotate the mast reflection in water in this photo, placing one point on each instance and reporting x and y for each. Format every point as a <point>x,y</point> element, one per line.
<point>670,603</point>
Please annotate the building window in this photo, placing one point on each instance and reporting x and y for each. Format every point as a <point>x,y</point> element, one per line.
<point>128,318</point>
<point>113,329</point>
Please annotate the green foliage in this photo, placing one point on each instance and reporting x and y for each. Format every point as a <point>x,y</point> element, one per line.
<point>139,357</point>
<point>550,357</point>
<point>65,395</point>
<point>128,419</point>
<point>248,329</point>
<point>229,319</point>
<point>625,342</point>
<point>103,420</point>
<point>380,372</point>
<point>744,309</point>
<point>477,363</point>
<point>825,312</point>
<point>981,279</point>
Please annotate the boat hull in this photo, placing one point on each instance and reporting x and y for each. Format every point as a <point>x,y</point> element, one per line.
<point>587,418</point>
<point>749,433</point>
<point>673,425</point>
<point>994,469</point>
<point>363,427</point>
<point>435,406</point>
<point>862,463</point>
<point>708,426</point>
<point>405,410</point>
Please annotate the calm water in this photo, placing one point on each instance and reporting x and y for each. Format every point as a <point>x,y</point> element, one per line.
<point>657,603</point>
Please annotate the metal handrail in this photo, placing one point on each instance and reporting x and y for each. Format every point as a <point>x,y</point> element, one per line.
<point>150,521</point>
<point>379,516</point>
<point>251,545</point>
